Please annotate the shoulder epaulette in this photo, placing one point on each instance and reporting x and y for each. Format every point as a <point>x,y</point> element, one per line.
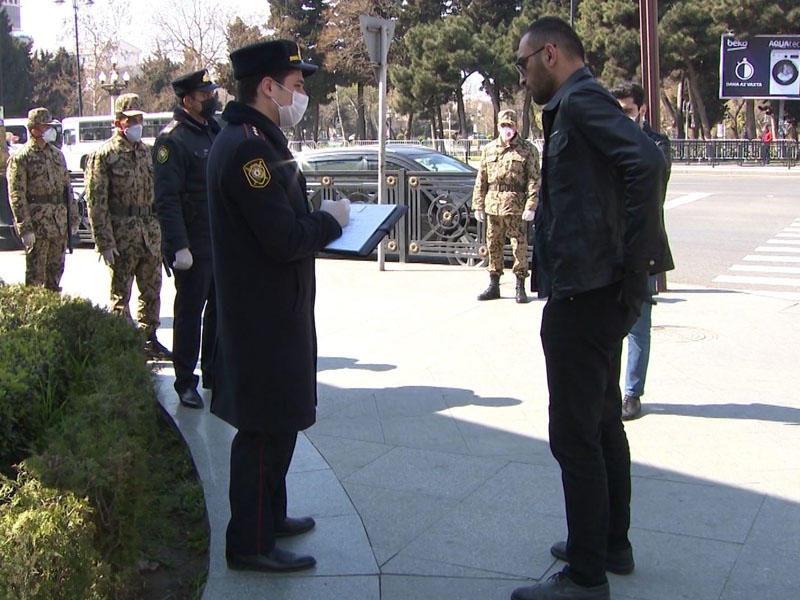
<point>252,130</point>
<point>169,127</point>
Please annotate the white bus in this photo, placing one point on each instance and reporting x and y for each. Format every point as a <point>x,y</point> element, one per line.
<point>18,128</point>
<point>83,135</point>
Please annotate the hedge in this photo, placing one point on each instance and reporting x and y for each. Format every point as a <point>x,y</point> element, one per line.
<point>84,489</point>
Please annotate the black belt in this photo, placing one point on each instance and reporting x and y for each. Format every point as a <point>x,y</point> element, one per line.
<point>130,211</point>
<point>46,199</point>
<point>499,187</point>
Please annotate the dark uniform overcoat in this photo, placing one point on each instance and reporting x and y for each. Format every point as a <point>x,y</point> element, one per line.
<point>264,238</point>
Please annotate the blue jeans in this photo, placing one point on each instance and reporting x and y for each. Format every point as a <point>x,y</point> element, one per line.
<point>639,348</point>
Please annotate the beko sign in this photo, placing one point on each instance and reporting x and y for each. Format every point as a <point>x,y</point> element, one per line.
<point>760,66</point>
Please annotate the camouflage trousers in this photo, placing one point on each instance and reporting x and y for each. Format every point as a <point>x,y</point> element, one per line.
<point>44,264</point>
<point>498,228</point>
<point>141,264</point>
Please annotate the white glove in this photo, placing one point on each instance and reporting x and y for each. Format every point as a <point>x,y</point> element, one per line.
<point>109,256</point>
<point>527,215</point>
<point>183,260</point>
<point>28,240</point>
<point>480,215</point>
<point>338,209</point>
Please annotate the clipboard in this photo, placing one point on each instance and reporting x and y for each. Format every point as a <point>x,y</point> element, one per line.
<point>369,224</point>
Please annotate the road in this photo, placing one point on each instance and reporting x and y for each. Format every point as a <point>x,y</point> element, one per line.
<point>735,228</point>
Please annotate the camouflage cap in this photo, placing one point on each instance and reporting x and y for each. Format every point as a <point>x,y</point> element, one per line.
<point>40,116</point>
<point>128,105</point>
<point>507,117</point>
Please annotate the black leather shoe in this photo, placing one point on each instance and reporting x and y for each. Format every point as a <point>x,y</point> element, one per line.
<point>276,561</point>
<point>190,398</point>
<point>292,526</point>
<point>619,562</point>
<point>561,587</point>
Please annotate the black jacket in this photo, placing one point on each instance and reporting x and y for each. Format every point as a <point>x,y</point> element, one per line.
<point>598,218</point>
<point>264,238</point>
<point>179,170</point>
<point>663,262</point>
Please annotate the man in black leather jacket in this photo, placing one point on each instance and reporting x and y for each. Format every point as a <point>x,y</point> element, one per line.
<point>179,168</point>
<point>598,233</point>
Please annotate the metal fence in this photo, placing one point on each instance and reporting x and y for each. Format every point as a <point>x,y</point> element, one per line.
<point>711,152</point>
<point>717,151</point>
<point>439,222</point>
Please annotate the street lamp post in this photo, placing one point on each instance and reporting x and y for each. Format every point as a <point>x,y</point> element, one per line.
<point>77,53</point>
<point>114,84</point>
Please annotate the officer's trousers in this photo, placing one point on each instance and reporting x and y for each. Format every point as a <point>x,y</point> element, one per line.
<point>257,489</point>
<point>195,311</point>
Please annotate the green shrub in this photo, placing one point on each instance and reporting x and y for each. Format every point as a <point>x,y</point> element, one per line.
<point>77,404</point>
<point>47,544</point>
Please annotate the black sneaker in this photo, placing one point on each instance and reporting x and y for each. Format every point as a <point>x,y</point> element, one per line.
<point>155,350</point>
<point>631,407</point>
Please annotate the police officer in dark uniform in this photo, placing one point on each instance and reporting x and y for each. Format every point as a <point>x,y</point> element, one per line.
<point>179,166</point>
<point>264,237</point>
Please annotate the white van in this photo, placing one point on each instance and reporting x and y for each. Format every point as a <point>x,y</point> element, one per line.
<point>83,135</point>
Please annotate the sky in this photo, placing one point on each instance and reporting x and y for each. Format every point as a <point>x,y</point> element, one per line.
<point>52,25</point>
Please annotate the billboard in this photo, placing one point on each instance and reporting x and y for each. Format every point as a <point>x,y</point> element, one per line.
<point>760,66</point>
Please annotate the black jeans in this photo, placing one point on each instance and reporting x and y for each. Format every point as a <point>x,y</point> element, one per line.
<point>582,342</point>
<point>195,304</point>
<point>257,490</point>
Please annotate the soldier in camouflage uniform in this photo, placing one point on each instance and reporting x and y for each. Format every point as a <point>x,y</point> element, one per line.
<point>39,193</point>
<point>505,196</point>
<point>120,194</point>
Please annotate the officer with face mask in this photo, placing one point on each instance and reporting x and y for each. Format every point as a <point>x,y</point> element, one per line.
<point>119,191</point>
<point>264,237</point>
<point>39,192</point>
<point>179,168</point>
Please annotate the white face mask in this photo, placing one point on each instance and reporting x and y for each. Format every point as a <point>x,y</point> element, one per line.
<point>507,132</point>
<point>50,135</point>
<point>133,133</point>
<point>290,115</point>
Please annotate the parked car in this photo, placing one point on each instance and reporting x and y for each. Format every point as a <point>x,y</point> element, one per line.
<point>436,188</point>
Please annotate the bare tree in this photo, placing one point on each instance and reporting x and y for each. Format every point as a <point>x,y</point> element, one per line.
<point>193,31</point>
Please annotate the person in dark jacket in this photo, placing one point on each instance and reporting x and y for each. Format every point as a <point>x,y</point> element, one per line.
<point>179,169</point>
<point>264,236</point>
<point>630,96</point>
<point>598,234</point>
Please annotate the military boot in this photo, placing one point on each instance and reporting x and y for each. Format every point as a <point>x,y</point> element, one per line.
<point>155,350</point>
<point>493,291</point>
<point>522,298</point>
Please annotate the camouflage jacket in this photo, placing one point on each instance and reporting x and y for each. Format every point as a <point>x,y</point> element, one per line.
<point>120,195</point>
<point>3,151</point>
<point>38,191</point>
<point>508,178</point>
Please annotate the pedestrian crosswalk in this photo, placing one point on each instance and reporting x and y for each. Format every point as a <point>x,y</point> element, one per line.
<point>773,268</point>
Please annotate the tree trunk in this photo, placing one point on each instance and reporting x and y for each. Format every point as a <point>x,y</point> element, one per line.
<point>673,114</point>
<point>750,119</point>
<point>697,103</point>
<point>361,121</point>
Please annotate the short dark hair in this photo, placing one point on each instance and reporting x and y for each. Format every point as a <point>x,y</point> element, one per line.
<point>557,32</point>
<point>247,88</point>
<point>629,89</point>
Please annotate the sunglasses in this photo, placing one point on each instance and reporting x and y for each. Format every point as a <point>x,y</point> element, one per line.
<point>522,61</point>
